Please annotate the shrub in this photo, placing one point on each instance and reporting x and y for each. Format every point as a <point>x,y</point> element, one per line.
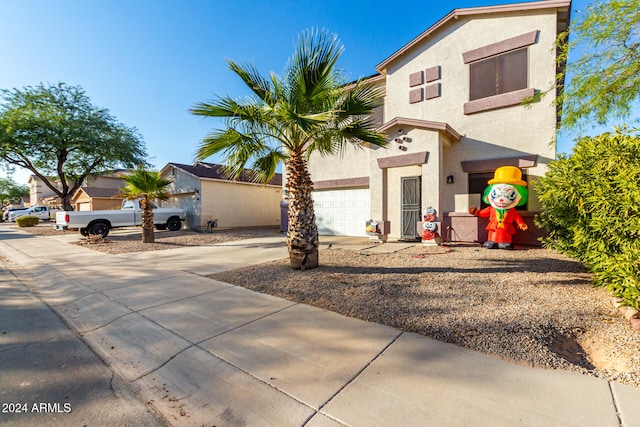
<point>591,209</point>
<point>27,221</point>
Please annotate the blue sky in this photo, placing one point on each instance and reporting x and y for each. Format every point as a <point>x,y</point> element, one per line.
<point>149,61</point>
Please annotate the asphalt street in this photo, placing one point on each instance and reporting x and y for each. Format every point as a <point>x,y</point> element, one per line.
<point>50,376</point>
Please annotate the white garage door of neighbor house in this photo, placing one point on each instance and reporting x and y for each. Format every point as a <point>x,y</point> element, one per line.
<point>342,212</point>
<point>84,206</point>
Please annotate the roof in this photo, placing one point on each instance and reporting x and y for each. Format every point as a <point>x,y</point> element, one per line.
<point>100,193</point>
<point>216,171</point>
<point>563,21</point>
<point>421,124</point>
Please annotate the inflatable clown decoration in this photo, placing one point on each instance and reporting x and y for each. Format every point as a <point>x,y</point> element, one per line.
<point>505,191</point>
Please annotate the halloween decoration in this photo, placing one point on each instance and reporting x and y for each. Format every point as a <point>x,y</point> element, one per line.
<point>505,191</point>
<point>429,232</point>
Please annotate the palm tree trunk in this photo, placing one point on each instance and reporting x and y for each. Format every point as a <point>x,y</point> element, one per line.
<point>302,235</point>
<point>148,236</point>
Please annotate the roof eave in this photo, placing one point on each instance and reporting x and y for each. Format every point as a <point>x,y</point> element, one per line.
<point>456,13</point>
<point>422,124</point>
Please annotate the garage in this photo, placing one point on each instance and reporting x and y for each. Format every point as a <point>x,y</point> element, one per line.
<point>342,212</point>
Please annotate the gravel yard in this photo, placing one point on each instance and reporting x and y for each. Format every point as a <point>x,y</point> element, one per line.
<point>130,240</point>
<point>529,306</point>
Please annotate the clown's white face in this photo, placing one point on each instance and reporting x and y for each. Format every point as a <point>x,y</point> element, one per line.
<point>504,196</point>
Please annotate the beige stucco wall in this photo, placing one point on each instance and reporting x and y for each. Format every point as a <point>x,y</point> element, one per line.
<point>352,163</point>
<point>236,204</point>
<point>504,132</point>
<point>182,191</point>
<point>99,204</point>
<point>38,190</point>
<point>233,204</point>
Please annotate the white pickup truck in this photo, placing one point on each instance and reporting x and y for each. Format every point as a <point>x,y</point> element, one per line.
<point>130,214</point>
<point>42,212</point>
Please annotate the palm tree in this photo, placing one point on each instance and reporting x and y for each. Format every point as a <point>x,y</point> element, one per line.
<point>287,118</point>
<point>148,186</point>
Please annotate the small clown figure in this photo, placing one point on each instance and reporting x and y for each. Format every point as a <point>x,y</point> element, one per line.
<point>505,191</point>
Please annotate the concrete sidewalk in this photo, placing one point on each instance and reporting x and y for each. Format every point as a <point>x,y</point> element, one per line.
<point>203,352</point>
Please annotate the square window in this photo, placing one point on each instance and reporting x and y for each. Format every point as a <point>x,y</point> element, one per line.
<point>499,74</point>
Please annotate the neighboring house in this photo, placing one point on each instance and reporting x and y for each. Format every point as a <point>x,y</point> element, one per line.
<point>38,191</point>
<point>94,199</point>
<point>207,196</point>
<point>453,114</point>
<point>40,194</point>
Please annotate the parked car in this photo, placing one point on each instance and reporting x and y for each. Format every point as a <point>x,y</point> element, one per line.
<point>5,214</point>
<point>42,212</point>
<point>130,214</point>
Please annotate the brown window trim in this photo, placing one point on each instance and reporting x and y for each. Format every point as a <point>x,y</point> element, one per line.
<point>403,160</point>
<point>517,42</point>
<point>362,181</point>
<point>498,101</point>
<point>485,165</point>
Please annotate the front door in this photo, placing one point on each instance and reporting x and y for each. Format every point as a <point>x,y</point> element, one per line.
<point>410,206</point>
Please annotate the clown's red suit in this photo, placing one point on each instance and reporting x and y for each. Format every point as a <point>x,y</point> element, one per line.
<point>506,190</point>
<point>501,230</point>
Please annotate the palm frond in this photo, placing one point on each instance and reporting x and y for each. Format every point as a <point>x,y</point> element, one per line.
<point>256,82</point>
<point>265,166</point>
<point>311,72</point>
<point>229,108</point>
<point>219,140</point>
<point>143,183</point>
<point>361,99</point>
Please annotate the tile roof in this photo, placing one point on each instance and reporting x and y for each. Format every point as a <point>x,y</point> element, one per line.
<point>216,171</point>
<point>101,192</point>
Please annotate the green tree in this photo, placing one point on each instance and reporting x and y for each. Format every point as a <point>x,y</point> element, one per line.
<point>56,131</point>
<point>591,209</point>
<point>308,109</point>
<point>10,191</point>
<point>604,81</point>
<point>147,186</point>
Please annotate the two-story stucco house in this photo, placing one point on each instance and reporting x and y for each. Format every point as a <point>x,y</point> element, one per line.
<point>453,113</point>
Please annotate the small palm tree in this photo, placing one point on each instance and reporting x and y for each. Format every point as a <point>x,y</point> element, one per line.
<point>308,109</point>
<point>148,186</point>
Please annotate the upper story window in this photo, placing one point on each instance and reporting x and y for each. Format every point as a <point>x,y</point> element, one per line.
<point>499,74</point>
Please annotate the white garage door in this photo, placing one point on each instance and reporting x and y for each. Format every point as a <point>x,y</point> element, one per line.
<point>342,212</point>
<point>84,206</point>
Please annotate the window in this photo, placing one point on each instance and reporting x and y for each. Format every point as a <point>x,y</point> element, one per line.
<point>498,74</point>
<point>478,183</point>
